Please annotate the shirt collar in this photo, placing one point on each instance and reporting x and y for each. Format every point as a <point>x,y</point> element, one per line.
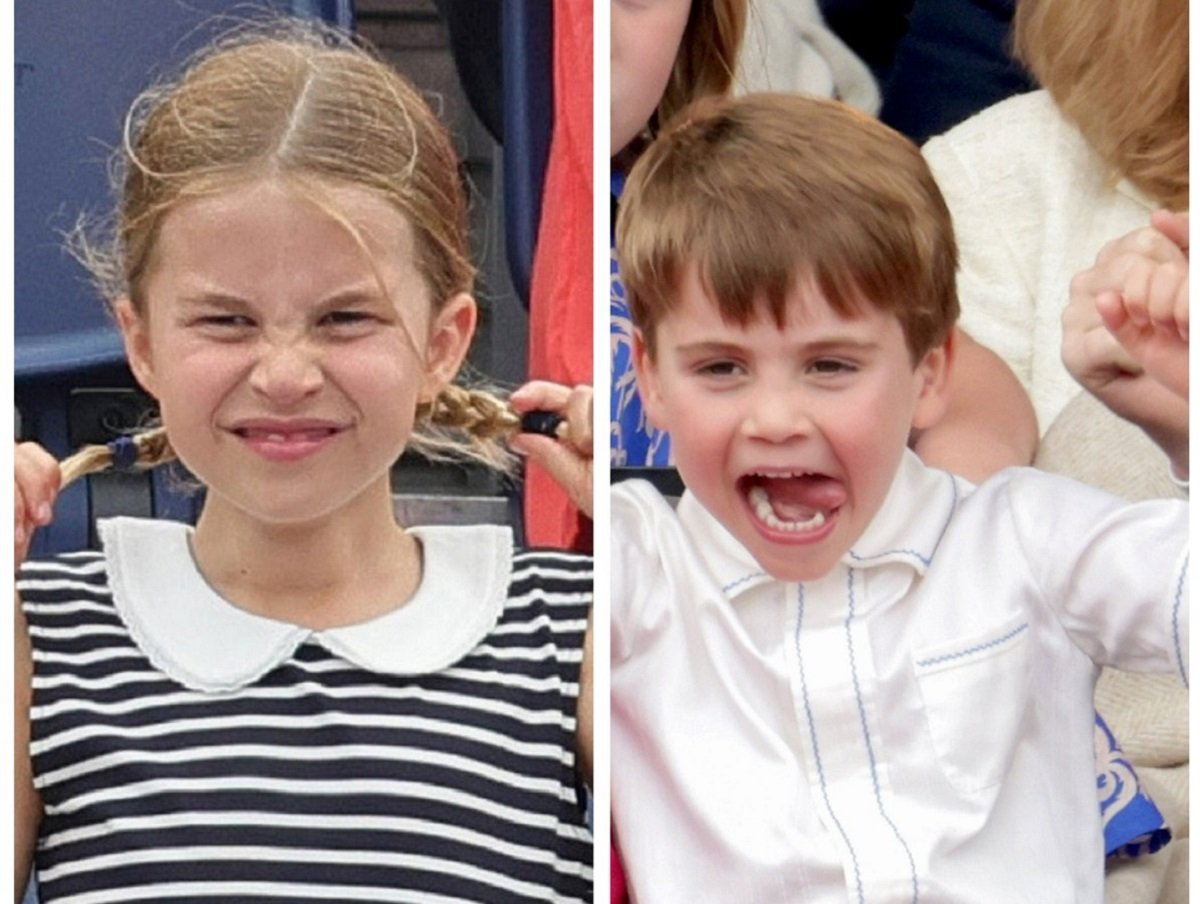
<point>734,568</point>
<point>202,641</point>
<point>912,520</point>
<point>907,529</point>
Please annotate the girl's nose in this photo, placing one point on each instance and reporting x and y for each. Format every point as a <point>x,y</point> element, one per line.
<point>286,373</point>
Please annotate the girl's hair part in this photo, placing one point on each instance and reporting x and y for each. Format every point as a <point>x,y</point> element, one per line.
<point>304,103</point>
<point>1119,72</point>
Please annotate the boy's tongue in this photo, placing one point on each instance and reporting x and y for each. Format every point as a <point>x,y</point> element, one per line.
<point>800,498</point>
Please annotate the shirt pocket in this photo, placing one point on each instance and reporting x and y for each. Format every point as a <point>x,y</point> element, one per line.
<point>975,690</point>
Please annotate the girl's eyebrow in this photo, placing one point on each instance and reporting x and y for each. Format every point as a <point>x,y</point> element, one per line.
<point>366,293</point>
<point>212,300</point>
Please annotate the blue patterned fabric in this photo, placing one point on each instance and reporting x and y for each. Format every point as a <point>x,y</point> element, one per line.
<point>1133,826</point>
<point>633,442</point>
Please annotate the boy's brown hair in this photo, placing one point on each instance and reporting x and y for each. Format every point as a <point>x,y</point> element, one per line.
<point>764,190</point>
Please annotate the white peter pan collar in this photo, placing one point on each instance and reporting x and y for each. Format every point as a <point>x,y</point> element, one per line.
<point>204,642</point>
<point>907,528</point>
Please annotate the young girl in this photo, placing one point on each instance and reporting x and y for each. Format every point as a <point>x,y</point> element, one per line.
<point>664,55</point>
<point>299,699</point>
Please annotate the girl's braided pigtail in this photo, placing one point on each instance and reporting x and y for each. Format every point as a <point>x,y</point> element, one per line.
<point>140,451</point>
<point>482,418</point>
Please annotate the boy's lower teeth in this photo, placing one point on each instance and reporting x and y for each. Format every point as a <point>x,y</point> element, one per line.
<point>761,503</point>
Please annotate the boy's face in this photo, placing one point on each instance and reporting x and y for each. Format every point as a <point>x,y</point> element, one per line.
<point>789,437</point>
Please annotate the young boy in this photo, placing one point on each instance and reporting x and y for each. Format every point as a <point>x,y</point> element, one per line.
<point>838,674</point>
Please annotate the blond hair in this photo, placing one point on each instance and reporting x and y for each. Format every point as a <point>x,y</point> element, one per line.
<point>1119,72</point>
<point>707,55</point>
<point>763,190</point>
<point>300,102</point>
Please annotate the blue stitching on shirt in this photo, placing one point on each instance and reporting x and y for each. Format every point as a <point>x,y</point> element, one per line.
<point>925,560</point>
<point>975,649</point>
<point>862,715</point>
<point>812,731</point>
<point>742,580</point>
<point>1175,619</point>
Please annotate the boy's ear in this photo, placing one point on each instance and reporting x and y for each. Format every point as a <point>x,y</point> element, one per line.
<point>934,371</point>
<point>450,337</point>
<point>648,386</point>
<point>136,334</point>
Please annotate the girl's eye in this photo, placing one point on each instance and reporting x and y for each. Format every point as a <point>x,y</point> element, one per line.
<point>347,320</point>
<point>224,322</point>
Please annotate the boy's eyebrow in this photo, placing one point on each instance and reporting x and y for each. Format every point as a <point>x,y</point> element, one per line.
<point>824,344</point>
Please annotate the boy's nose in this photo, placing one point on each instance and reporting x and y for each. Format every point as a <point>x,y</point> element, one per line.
<point>777,416</point>
<point>286,373</point>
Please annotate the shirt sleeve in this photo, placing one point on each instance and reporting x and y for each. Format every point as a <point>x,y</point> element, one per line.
<point>1115,574</point>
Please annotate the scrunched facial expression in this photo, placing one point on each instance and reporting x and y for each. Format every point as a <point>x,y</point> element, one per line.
<point>287,351</point>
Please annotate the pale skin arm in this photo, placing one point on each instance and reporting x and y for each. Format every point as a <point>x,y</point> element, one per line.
<point>37,483</point>
<point>990,424</point>
<point>1125,333</point>
<point>569,461</point>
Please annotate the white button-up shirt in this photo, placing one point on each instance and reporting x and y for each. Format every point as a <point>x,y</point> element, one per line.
<point>916,726</point>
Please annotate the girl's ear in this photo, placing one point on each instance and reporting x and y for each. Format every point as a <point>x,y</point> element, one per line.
<point>933,390</point>
<point>450,337</point>
<point>136,334</point>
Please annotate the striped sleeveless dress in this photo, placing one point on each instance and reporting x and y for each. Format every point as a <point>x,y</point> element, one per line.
<point>187,751</point>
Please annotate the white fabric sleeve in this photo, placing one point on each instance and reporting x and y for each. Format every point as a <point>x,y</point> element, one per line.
<point>1115,574</point>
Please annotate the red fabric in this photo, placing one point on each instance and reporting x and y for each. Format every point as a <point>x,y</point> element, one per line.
<point>560,307</point>
<point>617,892</point>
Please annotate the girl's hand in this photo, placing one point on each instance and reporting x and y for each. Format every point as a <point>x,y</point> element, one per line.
<point>37,486</point>
<point>568,459</point>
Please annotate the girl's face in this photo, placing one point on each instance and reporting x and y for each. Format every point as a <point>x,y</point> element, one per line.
<point>645,42</point>
<point>286,357</point>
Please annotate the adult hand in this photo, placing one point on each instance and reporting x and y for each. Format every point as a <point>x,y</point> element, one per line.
<point>569,458</point>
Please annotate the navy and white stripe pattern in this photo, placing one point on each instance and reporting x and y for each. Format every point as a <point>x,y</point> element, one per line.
<point>320,781</point>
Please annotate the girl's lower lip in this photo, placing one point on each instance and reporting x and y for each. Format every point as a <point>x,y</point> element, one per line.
<point>287,447</point>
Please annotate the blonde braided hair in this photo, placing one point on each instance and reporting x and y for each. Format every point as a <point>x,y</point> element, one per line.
<point>153,449</point>
<point>461,424</point>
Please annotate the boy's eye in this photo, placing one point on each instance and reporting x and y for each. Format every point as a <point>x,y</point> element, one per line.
<point>831,367</point>
<point>719,369</point>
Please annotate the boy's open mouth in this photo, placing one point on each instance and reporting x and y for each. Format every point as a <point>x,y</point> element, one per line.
<point>795,502</point>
